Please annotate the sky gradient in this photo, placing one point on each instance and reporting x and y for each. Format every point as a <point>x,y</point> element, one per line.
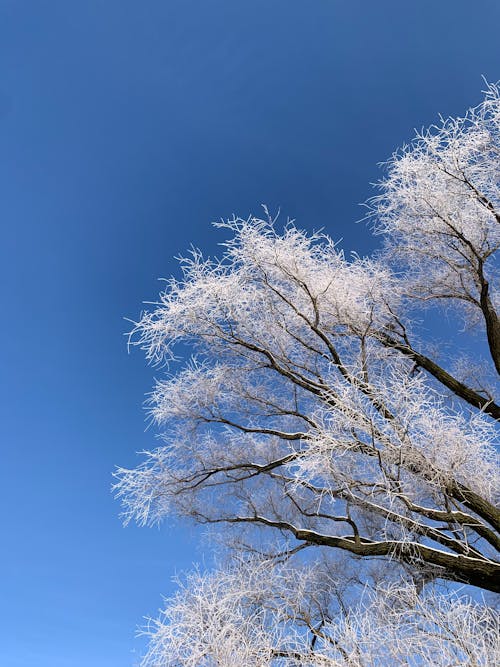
<point>126,128</point>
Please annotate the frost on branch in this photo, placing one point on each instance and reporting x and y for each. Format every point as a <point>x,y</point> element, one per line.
<point>282,279</point>
<point>440,212</point>
<point>309,408</point>
<point>254,613</point>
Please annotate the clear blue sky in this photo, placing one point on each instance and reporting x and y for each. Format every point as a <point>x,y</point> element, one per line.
<point>125,129</point>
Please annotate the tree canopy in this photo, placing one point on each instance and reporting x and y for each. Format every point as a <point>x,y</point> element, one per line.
<point>309,408</point>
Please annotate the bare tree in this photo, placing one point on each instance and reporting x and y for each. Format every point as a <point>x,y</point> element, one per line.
<point>314,416</point>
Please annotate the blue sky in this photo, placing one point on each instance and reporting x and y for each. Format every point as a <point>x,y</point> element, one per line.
<point>125,129</point>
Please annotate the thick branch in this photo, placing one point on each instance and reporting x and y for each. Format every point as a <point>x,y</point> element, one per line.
<point>476,503</point>
<point>465,569</point>
<point>458,388</point>
<point>491,321</point>
<point>455,517</point>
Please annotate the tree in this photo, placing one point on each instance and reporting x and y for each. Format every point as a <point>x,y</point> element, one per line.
<point>254,615</point>
<point>353,458</point>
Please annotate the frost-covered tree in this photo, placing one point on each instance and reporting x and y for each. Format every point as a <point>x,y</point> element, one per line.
<point>351,455</point>
<point>255,614</point>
